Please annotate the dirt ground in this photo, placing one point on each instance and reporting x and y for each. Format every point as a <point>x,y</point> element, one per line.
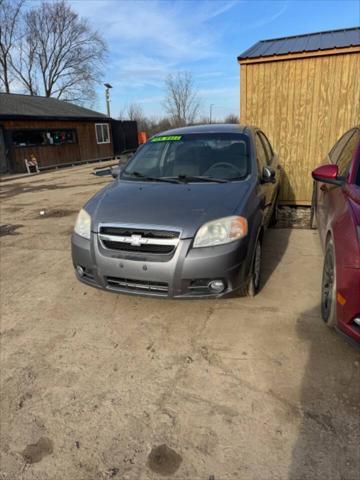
<point>99,386</point>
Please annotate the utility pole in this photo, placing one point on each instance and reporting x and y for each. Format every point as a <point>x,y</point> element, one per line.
<point>107,97</point>
<point>210,118</point>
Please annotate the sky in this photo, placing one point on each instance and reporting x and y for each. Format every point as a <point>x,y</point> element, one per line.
<point>149,39</point>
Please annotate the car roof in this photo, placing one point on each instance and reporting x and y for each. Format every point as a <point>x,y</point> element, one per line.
<point>208,128</point>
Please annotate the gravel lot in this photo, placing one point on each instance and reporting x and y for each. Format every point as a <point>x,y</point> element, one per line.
<point>102,386</point>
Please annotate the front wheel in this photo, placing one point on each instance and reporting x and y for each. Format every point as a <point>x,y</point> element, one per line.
<point>255,278</point>
<point>328,287</point>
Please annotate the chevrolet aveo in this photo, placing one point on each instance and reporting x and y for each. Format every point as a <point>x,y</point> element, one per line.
<point>185,217</point>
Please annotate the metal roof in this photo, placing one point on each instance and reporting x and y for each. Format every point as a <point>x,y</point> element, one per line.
<point>29,106</point>
<point>310,42</point>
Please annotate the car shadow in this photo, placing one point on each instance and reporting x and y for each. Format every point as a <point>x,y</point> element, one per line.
<point>327,446</point>
<point>275,244</point>
<point>276,239</point>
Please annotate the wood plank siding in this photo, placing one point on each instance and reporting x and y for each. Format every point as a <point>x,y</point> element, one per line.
<point>303,104</point>
<point>85,147</point>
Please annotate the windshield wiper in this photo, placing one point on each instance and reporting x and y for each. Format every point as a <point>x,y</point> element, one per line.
<point>199,178</point>
<point>151,179</point>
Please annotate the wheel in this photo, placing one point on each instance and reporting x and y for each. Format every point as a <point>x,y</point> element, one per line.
<point>255,278</point>
<point>274,215</point>
<point>313,225</point>
<point>328,287</point>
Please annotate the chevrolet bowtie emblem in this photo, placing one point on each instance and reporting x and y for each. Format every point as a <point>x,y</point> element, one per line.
<point>136,240</point>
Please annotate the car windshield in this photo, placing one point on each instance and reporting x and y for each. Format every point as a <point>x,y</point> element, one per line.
<point>215,157</point>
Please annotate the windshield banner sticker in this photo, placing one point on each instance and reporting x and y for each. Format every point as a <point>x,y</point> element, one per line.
<point>168,138</point>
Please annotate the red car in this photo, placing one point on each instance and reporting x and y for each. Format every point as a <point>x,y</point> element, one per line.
<point>336,211</point>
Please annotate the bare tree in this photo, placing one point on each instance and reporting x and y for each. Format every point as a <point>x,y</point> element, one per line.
<point>181,101</point>
<point>24,61</point>
<point>135,112</point>
<point>203,120</point>
<point>59,54</point>
<point>9,35</point>
<point>231,118</point>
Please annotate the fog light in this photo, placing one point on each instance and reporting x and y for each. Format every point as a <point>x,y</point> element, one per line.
<point>216,286</point>
<point>80,271</point>
<point>357,321</point>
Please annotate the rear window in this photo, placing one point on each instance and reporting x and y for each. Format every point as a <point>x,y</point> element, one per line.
<point>224,155</point>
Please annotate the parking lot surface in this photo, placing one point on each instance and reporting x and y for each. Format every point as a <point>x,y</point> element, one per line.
<point>96,385</point>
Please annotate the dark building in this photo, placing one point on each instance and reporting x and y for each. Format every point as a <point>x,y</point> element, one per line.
<point>54,131</point>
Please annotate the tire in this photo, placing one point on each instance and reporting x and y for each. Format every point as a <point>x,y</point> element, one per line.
<point>328,287</point>
<point>255,278</point>
<point>313,224</point>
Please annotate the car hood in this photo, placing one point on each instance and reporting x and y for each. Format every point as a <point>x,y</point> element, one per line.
<point>181,206</point>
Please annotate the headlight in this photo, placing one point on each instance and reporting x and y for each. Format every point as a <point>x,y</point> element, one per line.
<point>83,224</point>
<point>223,230</point>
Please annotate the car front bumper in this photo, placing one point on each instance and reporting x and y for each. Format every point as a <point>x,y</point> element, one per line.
<point>348,302</point>
<point>185,275</point>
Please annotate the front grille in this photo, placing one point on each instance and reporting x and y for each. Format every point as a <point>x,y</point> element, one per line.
<point>141,286</point>
<point>146,233</point>
<point>126,247</point>
<point>138,239</point>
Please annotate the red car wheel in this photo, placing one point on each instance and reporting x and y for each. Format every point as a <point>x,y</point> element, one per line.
<point>328,288</point>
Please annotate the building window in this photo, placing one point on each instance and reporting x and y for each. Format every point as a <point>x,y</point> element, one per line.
<point>102,133</point>
<point>34,138</point>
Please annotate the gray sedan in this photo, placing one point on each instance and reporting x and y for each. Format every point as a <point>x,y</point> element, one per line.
<point>185,218</point>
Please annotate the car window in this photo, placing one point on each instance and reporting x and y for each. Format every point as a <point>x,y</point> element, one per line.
<point>217,155</point>
<point>347,154</point>
<point>260,154</point>
<point>268,149</point>
<point>339,145</point>
<point>151,158</point>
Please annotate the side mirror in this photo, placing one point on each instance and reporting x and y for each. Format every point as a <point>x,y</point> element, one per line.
<point>268,175</point>
<point>115,171</point>
<point>328,174</point>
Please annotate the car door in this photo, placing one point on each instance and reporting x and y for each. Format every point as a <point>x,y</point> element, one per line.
<point>267,188</point>
<point>330,197</point>
<point>273,164</point>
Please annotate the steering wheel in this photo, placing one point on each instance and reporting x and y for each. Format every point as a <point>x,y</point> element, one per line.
<point>226,165</point>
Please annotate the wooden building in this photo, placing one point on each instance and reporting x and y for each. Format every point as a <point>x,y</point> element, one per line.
<point>304,92</point>
<point>55,132</point>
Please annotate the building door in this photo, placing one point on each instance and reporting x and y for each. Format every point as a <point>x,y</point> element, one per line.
<point>3,162</point>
